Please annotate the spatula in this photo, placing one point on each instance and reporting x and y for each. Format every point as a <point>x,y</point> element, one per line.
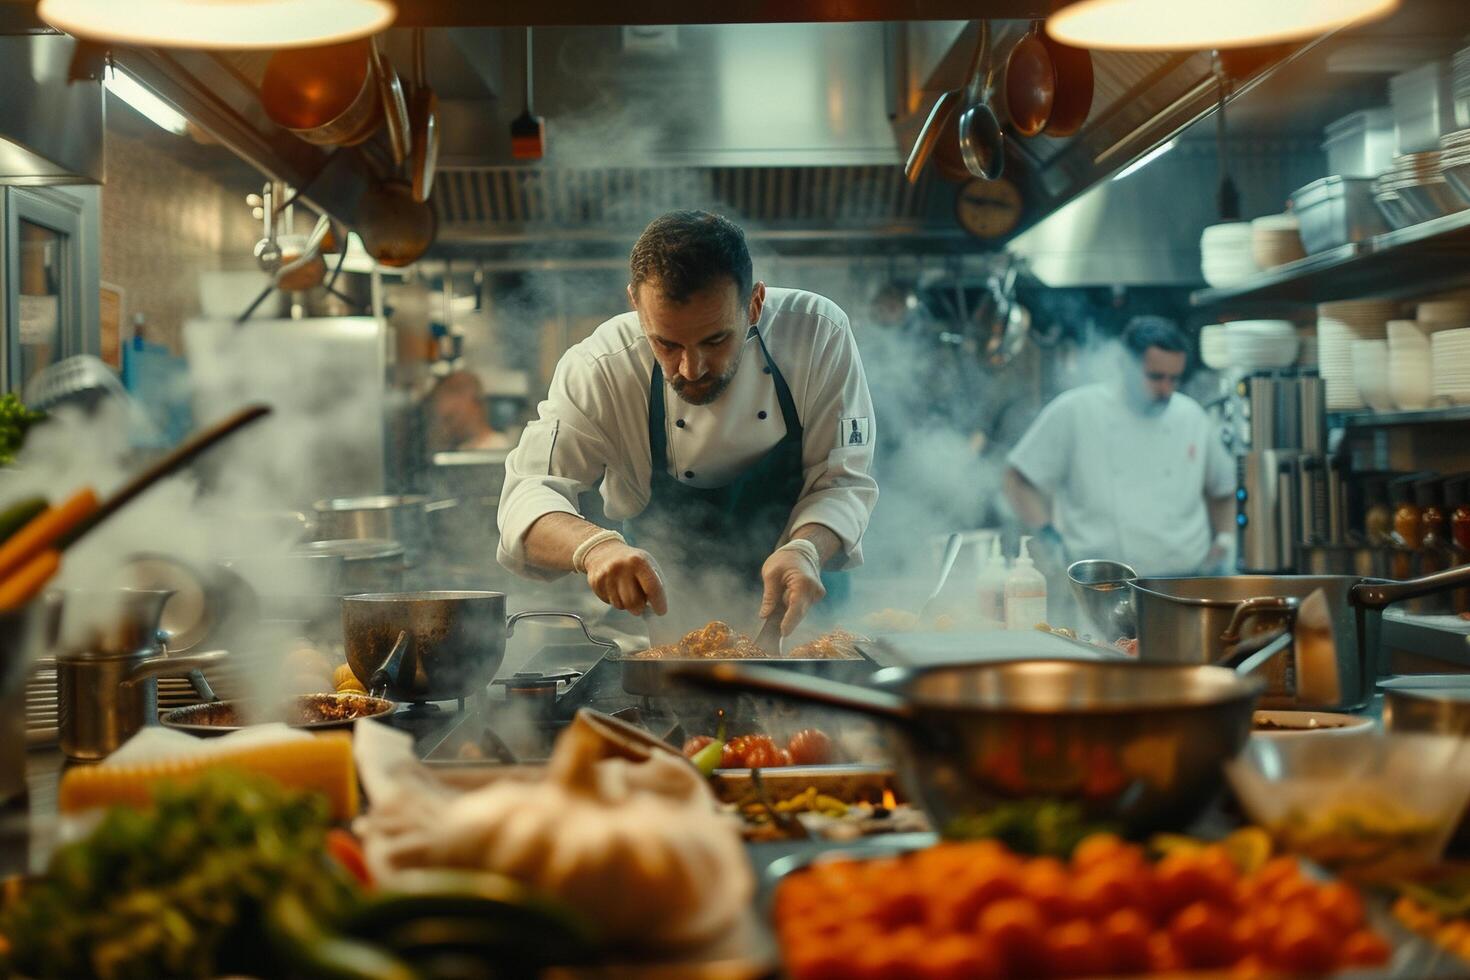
<point>769,637</point>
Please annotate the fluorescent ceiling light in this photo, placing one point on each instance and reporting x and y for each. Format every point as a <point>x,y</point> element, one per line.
<point>127,88</point>
<point>1146,159</point>
<point>1196,25</point>
<point>219,24</point>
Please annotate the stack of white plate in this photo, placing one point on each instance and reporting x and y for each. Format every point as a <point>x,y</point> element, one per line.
<point>1338,325</point>
<point>1419,181</point>
<point>1370,373</point>
<point>1443,314</point>
<point>1460,87</point>
<point>1410,377</point>
<point>1276,240</point>
<point>1225,254</point>
<point>1258,345</point>
<point>1450,351</point>
<point>1213,350</point>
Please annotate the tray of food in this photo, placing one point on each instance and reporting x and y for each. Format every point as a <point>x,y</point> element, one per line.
<point>979,909</point>
<point>648,673</point>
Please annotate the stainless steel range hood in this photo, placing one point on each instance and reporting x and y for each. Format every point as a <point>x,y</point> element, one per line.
<point>51,130</point>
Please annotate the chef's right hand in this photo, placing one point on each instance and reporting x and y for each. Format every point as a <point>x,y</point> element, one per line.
<point>626,578</point>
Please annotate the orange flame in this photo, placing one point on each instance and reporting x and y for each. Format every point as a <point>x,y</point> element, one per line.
<point>889,800</point>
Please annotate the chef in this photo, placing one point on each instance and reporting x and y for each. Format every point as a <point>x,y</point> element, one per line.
<point>726,425</point>
<point>1130,470</point>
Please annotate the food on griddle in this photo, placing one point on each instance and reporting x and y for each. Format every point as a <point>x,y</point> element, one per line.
<point>980,910</point>
<point>717,641</point>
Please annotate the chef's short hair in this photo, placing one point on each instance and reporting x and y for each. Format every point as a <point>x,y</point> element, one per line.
<point>1144,332</point>
<point>683,252</point>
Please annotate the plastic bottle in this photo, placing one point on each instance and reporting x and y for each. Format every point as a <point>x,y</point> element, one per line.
<point>991,584</point>
<point>1025,592</point>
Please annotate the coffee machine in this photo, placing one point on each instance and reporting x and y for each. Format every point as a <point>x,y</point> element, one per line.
<point>1288,489</point>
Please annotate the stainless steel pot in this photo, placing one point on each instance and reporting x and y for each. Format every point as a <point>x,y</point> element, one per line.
<point>360,564</point>
<point>1202,620</point>
<point>1142,745</point>
<point>392,518</point>
<point>431,646</point>
<point>108,666</point>
<point>1101,589</point>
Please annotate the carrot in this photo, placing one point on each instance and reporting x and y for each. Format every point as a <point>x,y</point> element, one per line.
<point>44,531</point>
<point>27,583</point>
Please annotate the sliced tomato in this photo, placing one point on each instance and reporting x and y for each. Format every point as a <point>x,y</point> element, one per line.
<point>346,850</point>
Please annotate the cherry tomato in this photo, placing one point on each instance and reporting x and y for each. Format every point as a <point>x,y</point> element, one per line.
<point>1365,949</point>
<point>1182,879</point>
<point>901,904</point>
<point>1097,849</point>
<point>810,747</point>
<point>973,893</point>
<point>1073,950</point>
<point>1125,934</point>
<point>1162,956</point>
<point>1304,944</point>
<point>1105,888</point>
<point>762,756</point>
<point>693,745</point>
<point>1204,936</point>
<point>346,850</point>
<point>1340,904</point>
<point>957,957</point>
<point>1015,928</point>
<point>1045,881</point>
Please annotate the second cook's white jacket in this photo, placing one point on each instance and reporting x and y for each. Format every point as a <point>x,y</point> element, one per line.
<point>593,426</point>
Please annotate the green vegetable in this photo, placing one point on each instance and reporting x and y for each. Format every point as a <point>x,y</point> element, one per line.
<point>19,514</point>
<point>707,759</point>
<point>445,915</point>
<point>312,951</point>
<point>180,889</point>
<point>1049,827</point>
<point>15,422</point>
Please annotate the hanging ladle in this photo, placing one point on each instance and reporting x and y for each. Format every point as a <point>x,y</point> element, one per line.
<point>982,144</point>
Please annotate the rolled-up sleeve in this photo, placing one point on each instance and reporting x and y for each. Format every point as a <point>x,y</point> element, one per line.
<point>561,455</point>
<point>838,491</point>
<point>1045,452</point>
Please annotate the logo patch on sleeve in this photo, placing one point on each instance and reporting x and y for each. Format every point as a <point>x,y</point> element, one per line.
<point>854,432</point>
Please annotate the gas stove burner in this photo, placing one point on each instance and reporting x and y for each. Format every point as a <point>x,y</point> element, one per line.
<point>415,710</point>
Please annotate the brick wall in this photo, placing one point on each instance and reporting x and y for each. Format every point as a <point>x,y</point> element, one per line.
<point>163,223</point>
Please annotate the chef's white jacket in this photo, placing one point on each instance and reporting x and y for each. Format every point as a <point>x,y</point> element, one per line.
<point>593,426</point>
<point>1126,486</point>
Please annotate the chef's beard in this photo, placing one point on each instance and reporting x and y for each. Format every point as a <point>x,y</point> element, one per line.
<point>703,396</point>
<point>1144,403</point>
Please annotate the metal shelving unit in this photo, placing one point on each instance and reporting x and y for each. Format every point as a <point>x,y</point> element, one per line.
<point>1388,420</point>
<point>1410,261</point>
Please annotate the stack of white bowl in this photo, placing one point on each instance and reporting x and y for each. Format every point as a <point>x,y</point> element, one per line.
<point>1213,350</point>
<point>1276,240</point>
<point>1410,377</point>
<point>1225,254</point>
<point>1259,345</point>
<point>1370,373</point>
<point>1450,351</point>
<point>1443,313</point>
<point>1338,325</point>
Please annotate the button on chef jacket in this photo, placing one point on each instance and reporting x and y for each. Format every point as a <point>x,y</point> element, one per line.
<point>1127,486</point>
<point>594,425</point>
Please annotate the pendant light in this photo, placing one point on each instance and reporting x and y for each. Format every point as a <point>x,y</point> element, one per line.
<point>1196,25</point>
<point>219,24</point>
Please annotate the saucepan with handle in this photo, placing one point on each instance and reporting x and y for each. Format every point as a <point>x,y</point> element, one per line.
<point>1141,746</point>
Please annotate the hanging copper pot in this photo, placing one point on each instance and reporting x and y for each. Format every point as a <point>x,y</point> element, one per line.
<point>395,229</point>
<point>326,95</point>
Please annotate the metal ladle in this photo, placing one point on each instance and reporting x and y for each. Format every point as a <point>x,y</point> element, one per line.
<point>982,144</point>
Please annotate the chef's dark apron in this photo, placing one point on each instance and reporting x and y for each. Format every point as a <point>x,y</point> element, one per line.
<point>734,528</point>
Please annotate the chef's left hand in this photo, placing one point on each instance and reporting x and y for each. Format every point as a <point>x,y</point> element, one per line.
<point>792,578</point>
